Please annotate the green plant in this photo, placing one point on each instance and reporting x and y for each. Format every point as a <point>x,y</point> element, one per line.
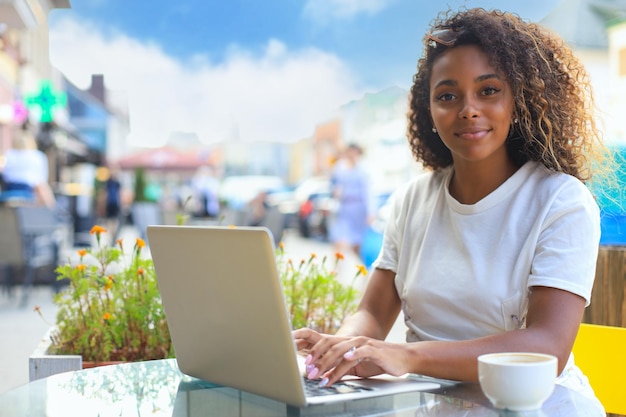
<point>111,309</point>
<point>315,296</point>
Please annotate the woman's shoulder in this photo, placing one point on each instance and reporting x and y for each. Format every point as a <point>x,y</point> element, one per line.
<point>428,178</point>
<point>557,186</point>
<point>546,178</point>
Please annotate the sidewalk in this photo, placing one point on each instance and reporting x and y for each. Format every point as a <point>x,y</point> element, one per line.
<point>22,328</point>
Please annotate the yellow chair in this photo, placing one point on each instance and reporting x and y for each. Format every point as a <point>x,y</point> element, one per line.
<point>600,352</point>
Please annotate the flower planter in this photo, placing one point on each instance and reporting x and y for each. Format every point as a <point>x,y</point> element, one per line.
<point>89,364</point>
<point>111,309</point>
<point>41,364</point>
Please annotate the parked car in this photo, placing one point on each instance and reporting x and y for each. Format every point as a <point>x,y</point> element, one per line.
<point>314,214</point>
<point>312,185</point>
<point>312,198</point>
<point>284,200</point>
<point>237,191</point>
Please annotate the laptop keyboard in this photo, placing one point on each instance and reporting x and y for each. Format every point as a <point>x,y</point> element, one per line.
<point>313,389</point>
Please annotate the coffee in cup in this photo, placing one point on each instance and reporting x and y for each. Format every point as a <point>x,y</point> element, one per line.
<point>517,381</point>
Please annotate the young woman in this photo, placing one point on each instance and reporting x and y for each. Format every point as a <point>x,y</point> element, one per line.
<point>26,172</point>
<point>494,249</point>
<point>352,189</point>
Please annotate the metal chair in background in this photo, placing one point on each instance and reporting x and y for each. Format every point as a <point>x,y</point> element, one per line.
<point>29,239</point>
<point>10,246</point>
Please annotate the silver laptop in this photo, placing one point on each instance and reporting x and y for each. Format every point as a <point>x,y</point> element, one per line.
<point>227,317</point>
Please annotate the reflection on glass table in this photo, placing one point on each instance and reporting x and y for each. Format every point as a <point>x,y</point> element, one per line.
<point>158,388</point>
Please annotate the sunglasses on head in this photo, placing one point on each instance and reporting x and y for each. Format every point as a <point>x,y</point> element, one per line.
<point>444,36</point>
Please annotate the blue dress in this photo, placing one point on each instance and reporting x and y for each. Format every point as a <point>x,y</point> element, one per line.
<point>352,190</point>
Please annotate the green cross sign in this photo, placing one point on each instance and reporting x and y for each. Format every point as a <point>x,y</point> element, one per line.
<point>46,99</point>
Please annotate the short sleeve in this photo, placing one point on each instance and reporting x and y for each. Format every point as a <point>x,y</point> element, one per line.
<point>567,246</point>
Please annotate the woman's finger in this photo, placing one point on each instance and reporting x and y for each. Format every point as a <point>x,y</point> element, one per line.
<point>305,337</point>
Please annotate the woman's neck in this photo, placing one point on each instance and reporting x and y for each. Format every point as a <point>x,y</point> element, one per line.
<point>471,182</point>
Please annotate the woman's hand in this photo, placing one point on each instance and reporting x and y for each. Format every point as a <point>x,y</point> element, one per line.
<point>332,357</point>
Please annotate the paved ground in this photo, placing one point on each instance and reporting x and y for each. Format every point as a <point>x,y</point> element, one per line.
<point>22,328</point>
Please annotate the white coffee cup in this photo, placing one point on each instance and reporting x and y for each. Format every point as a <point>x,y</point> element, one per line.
<point>517,381</point>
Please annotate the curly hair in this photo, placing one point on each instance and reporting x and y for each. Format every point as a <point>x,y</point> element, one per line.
<point>553,104</point>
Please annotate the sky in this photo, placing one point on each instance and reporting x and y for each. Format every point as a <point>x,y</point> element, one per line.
<point>252,70</point>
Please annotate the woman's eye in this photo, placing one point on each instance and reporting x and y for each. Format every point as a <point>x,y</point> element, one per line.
<point>489,91</point>
<point>445,97</point>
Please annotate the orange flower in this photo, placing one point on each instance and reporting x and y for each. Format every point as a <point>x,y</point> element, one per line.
<point>141,271</point>
<point>281,245</point>
<point>81,267</point>
<point>108,284</point>
<point>362,269</point>
<point>97,230</point>
<point>140,243</point>
<point>82,252</point>
<point>119,242</point>
<point>339,255</point>
<point>106,316</point>
<point>313,256</point>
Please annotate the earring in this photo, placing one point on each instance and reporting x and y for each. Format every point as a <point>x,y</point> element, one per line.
<point>515,120</point>
<point>434,130</point>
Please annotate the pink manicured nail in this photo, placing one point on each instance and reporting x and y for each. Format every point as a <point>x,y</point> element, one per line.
<point>308,360</point>
<point>309,368</point>
<point>313,374</point>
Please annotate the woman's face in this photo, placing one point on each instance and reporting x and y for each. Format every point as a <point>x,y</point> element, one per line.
<point>471,105</point>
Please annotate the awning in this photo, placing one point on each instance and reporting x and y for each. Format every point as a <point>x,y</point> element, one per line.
<point>166,158</point>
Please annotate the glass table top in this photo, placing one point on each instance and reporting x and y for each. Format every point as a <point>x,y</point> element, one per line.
<point>158,388</point>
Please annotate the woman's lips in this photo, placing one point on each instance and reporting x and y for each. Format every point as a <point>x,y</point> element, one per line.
<point>472,134</point>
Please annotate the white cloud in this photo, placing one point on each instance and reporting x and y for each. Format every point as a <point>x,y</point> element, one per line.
<point>278,96</point>
<point>322,10</point>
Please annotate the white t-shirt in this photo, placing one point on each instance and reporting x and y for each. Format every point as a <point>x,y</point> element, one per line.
<point>26,166</point>
<point>464,271</point>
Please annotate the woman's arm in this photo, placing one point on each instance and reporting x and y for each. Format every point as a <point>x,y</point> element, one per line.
<point>378,309</point>
<point>552,324</point>
<point>375,315</point>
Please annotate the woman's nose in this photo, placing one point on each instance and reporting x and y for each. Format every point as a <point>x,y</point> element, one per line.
<point>469,109</point>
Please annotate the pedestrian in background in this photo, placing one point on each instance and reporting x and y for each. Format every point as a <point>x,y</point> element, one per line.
<point>351,190</point>
<point>113,203</point>
<point>25,173</point>
<point>206,187</point>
